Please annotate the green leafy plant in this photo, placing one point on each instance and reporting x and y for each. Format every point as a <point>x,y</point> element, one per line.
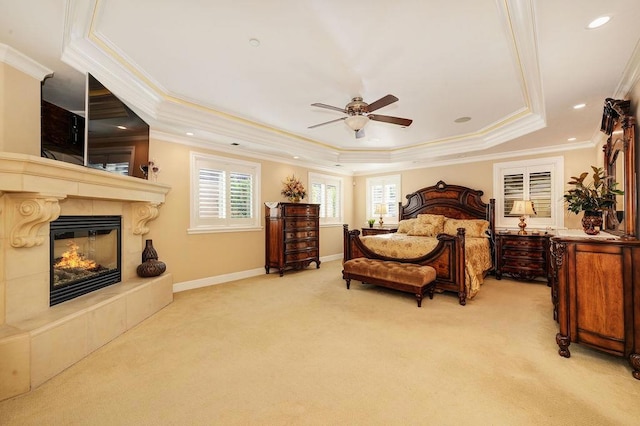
<point>598,195</point>
<point>371,222</point>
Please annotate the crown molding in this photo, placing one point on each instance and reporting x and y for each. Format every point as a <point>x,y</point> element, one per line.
<point>21,62</point>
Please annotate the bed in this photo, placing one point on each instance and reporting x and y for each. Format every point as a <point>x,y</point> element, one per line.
<point>461,251</point>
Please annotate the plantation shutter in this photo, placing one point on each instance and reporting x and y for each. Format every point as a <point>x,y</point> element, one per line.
<point>211,190</point>
<point>540,192</point>
<point>240,195</point>
<point>513,191</point>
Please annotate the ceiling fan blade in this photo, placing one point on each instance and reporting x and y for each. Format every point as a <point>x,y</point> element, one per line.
<point>393,120</point>
<point>326,122</point>
<point>329,107</point>
<point>360,133</point>
<point>382,102</point>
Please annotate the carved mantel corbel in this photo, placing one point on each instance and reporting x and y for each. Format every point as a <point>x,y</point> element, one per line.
<point>31,211</point>
<point>142,214</point>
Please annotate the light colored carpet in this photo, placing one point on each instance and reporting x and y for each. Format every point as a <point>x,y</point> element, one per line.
<point>302,349</point>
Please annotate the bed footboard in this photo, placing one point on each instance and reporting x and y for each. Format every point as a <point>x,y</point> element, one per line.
<point>447,259</point>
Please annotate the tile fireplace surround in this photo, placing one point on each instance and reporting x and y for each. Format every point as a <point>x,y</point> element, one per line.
<point>37,341</point>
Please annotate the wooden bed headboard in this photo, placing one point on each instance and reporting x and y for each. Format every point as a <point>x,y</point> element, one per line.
<point>454,201</point>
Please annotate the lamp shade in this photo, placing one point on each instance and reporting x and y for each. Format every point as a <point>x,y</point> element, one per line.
<point>356,122</point>
<point>523,207</point>
<point>381,209</point>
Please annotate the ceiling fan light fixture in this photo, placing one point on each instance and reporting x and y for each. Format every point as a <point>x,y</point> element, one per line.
<point>356,122</point>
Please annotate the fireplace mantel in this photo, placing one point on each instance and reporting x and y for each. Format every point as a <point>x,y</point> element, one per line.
<point>37,185</point>
<point>38,341</point>
<point>29,174</point>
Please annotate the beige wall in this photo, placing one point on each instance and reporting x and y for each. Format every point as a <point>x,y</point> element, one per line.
<point>477,175</point>
<point>19,111</point>
<point>195,256</point>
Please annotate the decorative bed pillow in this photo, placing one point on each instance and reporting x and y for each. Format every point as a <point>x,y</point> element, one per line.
<point>437,220</point>
<point>473,227</point>
<point>423,230</point>
<point>405,226</point>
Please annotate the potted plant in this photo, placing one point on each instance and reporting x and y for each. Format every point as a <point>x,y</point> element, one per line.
<point>592,198</point>
<point>371,222</point>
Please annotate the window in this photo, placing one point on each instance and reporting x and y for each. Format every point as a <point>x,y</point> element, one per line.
<point>383,190</point>
<point>327,191</point>
<point>224,194</point>
<point>540,181</point>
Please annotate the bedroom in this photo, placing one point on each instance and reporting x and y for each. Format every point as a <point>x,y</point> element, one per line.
<point>200,259</point>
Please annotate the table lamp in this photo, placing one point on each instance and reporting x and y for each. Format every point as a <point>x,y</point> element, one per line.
<point>381,209</point>
<point>524,208</point>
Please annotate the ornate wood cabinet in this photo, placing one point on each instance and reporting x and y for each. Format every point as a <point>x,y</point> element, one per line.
<point>522,256</point>
<point>596,294</point>
<point>292,236</point>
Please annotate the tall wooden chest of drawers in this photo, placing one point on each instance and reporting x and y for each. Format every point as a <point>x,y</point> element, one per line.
<point>292,236</point>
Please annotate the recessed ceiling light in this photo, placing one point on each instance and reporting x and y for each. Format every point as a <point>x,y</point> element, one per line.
<point>579,106</point>
<point>122,128</point>
<point>598,22</point>
<point>189,133</point>
<point>571,139</point>
<point>254,42</point>
<point>295,157</point>
<point>462,119</point>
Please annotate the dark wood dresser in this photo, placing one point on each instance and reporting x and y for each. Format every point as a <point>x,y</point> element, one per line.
<point>523,256</point>
<point>292,236</point>
<point>596,294</point>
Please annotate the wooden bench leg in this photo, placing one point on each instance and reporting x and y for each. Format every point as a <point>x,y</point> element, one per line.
<point>348,280</point>
<point>432,289</point>
<point>419,299</point>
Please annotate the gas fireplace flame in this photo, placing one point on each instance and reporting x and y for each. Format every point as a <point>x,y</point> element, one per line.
<point>72,259</point>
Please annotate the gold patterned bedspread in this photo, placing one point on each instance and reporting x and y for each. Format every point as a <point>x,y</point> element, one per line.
<point>403,246</point>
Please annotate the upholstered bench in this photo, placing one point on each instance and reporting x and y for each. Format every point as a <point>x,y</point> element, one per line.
<point>408,277</point>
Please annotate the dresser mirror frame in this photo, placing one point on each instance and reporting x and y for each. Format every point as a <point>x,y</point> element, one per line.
<point>620,163</point>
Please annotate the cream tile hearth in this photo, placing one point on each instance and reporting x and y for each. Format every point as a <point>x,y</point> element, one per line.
<point>37,341</point>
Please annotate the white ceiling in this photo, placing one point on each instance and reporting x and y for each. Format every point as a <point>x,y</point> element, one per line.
<point>516,67</point>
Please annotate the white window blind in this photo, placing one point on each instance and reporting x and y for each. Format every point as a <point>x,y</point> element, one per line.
<point>224,194</point>
<point>383,190</point>
<point>540,181</point>
<point>327,191</point>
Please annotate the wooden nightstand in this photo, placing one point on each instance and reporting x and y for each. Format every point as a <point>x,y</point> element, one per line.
<point>524,257</point>
<point>379,230</point>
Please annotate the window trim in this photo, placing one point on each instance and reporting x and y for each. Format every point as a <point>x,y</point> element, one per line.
<point>226,163</point>
<point>394,178</point>
<point>556,166</point>
<point>322,178</point>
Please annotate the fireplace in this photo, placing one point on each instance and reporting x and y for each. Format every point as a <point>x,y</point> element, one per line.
<point>85,255</point>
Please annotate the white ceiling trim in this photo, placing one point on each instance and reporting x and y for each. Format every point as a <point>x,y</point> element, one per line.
<point>85,49</point>
<point>23,63</point>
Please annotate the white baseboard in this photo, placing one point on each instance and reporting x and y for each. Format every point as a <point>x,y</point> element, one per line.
<point>234,276</point>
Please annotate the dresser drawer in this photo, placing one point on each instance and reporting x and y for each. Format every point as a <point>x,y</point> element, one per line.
<point>508,252</point>
<point>301,255</point>
<point>300,210</point>
<point>300,233</point>
<point>525,243</point>
<point>301,244</point>
<point>298,223</point>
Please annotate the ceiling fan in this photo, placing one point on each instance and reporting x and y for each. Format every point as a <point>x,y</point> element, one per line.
<point>359,113</point>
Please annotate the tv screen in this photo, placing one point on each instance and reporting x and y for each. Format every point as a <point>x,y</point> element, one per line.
<point>117,138</point>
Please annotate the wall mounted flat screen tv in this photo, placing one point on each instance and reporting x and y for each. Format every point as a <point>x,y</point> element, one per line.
<point>117,138</point>
<point>110,136</point>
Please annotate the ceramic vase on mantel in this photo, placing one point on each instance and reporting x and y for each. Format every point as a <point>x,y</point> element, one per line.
<point>592,222</point>
<point>150,266</point>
